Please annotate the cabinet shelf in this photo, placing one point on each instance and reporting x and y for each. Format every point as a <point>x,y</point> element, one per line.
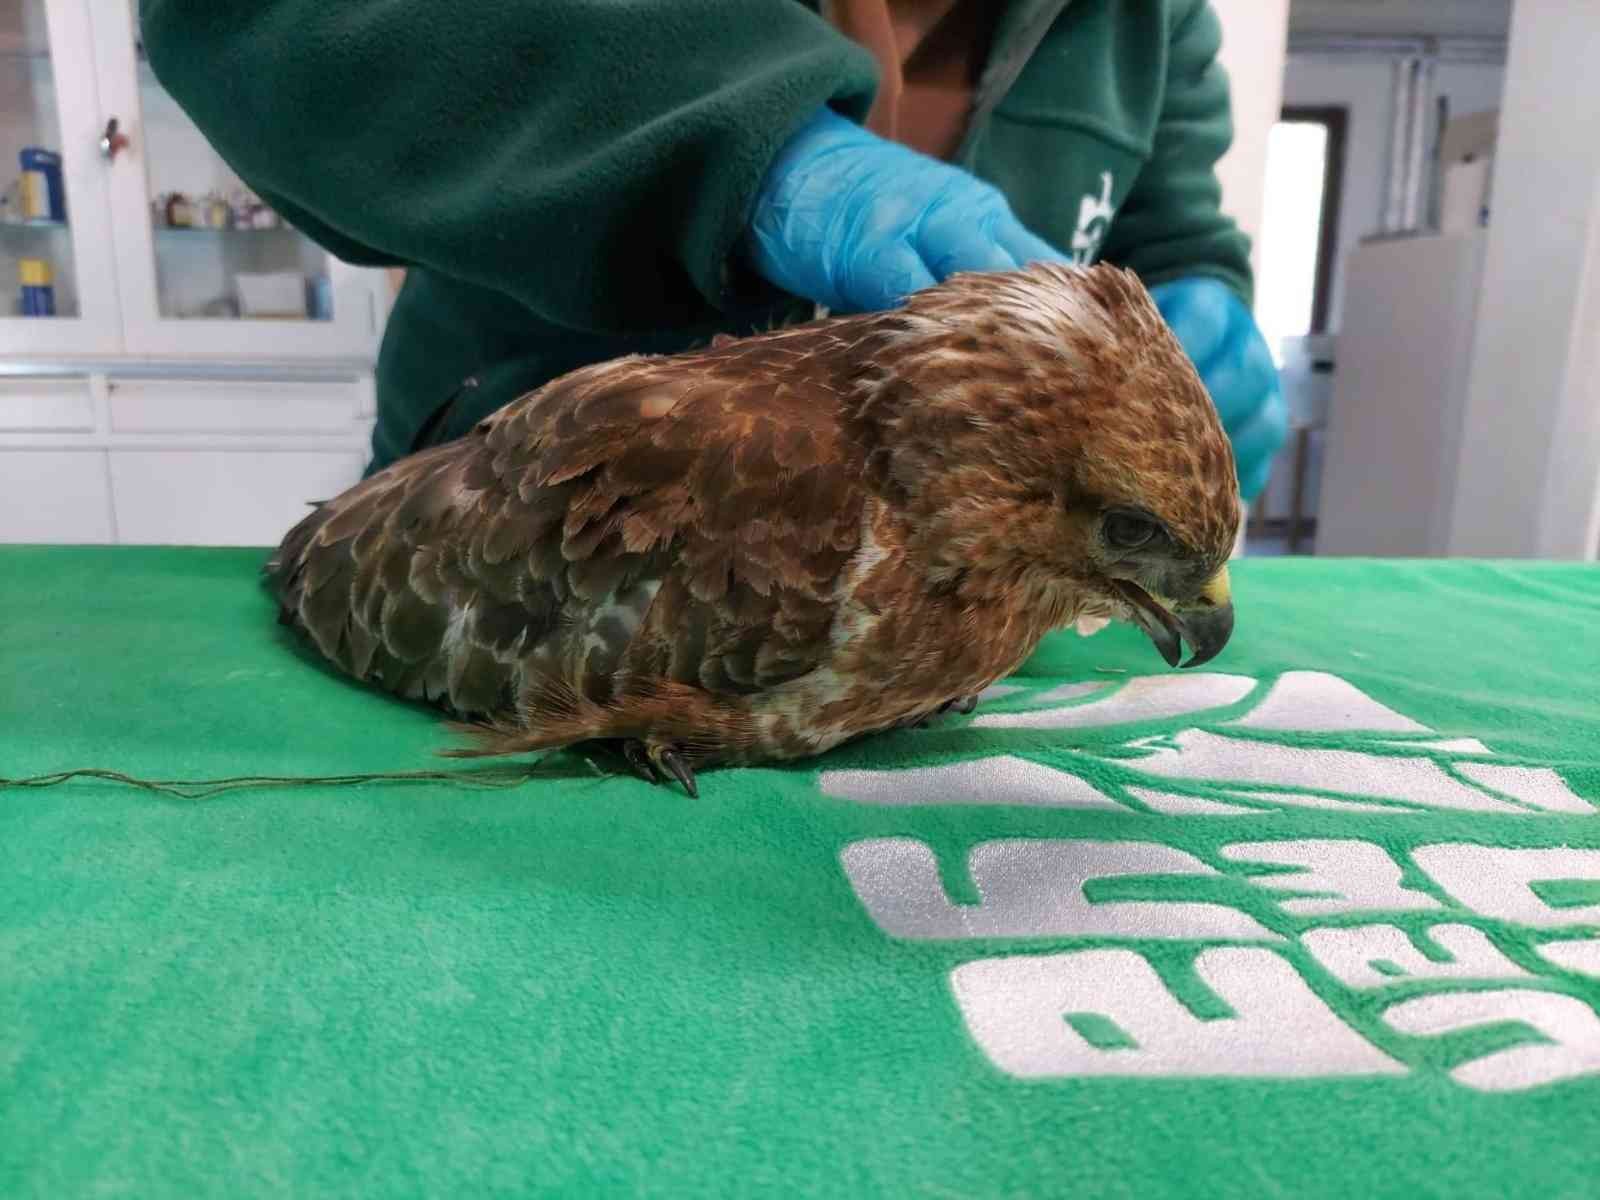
<point>125,282</point>
<point>38,226</point>
<point>230,231</point>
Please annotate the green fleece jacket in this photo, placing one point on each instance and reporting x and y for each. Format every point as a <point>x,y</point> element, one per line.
<point>570,180</point>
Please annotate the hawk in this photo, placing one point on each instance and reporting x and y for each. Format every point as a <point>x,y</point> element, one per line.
<point>758,550</point>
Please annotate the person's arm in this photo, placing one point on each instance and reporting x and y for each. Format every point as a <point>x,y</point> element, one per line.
<point>597,161</point>
<point>1172,225</point>
<point>1172,232</point>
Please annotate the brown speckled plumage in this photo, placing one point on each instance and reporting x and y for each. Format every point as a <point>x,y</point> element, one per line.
<point>766,547</point>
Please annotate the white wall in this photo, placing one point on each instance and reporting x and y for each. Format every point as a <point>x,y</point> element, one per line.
<point>1364,88</point>
<point>1471,87</point>
<point>1253,43</point>
<point>1526,481</point>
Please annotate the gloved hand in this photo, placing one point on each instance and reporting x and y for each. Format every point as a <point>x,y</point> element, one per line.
<point>853,221</point>
<point>1234,363</point>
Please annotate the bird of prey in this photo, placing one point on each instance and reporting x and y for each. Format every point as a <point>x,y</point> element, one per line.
<point>758,550</point>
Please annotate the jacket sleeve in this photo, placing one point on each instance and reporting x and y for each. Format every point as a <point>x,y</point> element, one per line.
<point>1171,225</point>
<point>594,160</point>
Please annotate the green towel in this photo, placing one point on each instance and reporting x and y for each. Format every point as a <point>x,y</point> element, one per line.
<point>1321,918</point>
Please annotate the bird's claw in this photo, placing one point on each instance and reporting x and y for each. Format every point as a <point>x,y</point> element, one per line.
<point>962,705</point>
<point>654,763</point>
<point>670,761</point>
<point>638,759</point>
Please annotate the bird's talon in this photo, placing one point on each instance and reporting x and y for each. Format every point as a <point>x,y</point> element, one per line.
<point>961,705</point>
<point>668,760</point>
<point>638,756</point>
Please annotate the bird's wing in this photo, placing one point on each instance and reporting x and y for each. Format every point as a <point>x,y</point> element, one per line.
<point>390,583</point>
<point>720,494</point>
<point>738,466</point>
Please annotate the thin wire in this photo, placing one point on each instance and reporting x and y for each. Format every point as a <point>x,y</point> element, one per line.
<point>199,789</point>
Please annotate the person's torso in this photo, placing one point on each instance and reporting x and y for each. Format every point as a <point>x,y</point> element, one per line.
<point>1061,117</point>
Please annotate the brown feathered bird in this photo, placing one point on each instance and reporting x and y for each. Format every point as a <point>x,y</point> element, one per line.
<point>759,550</point>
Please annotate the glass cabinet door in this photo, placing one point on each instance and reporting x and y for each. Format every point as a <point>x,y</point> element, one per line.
<point>207,267</point>
<point>56,289</point>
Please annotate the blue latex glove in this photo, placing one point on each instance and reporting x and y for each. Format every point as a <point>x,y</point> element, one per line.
<point>853,221</point>
<point>1234,363</point>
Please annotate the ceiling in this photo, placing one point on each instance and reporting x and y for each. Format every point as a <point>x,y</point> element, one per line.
<point>1401,18</point>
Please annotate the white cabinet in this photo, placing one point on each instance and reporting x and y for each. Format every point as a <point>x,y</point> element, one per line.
<point>56,220</point>
<point>162,453</point>
<point>46,406</point>
<point>144,242</point>
<point>1395,419</point>
<point>251,496</point>
<point>61,496</point>
<point>177,365</point>
<point>234,406</point>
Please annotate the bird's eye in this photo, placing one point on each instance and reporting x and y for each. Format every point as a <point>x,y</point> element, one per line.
<point>1129,531</point>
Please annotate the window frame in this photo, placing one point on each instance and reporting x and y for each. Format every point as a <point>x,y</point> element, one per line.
<point>1335,118</point>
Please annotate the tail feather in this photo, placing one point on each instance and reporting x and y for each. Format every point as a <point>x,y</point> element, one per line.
<point>284,562</point>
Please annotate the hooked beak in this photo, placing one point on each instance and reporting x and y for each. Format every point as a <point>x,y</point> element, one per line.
<point>1206,623</point>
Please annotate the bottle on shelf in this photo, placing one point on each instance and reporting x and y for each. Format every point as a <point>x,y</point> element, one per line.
<point>38,288</point>
<point>43,197</point>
